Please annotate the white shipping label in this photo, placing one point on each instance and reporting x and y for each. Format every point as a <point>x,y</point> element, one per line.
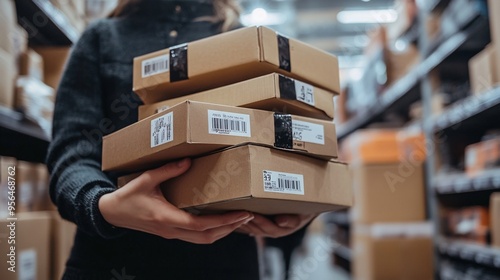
<point>162,129</point>
<point>304,92</point>
<point>281,182</point>
<point>308,132</point>
<point>27,265</point>
<point>155,65</point>
<point>226,123</point>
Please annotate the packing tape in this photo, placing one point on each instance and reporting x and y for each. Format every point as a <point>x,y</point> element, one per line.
<point>287,88</point>
<point>283,134</point>
<point>284,53</point>
<point>178,63</point>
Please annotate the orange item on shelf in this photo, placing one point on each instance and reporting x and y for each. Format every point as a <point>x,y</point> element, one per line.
<point>482,155</point>
<point>411,142</point>
<point>471,223</point>
<point>367,146</point>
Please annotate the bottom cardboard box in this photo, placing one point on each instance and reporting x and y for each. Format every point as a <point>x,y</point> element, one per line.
<point>495,219</point>
<point>24,244</point>
<point>63,235</point>
<point>259,179</point>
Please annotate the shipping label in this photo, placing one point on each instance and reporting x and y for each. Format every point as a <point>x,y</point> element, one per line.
<point>227,123</point>
<point>162,130</point>
<point>308,132</point>
<point>304,92</point>
<point>155,65</point>
<point>281,182</point>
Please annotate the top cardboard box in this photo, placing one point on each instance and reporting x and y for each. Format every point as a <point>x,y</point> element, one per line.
<point>230,58</point>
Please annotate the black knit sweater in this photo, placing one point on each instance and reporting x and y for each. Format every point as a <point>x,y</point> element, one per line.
<point>95,98</point>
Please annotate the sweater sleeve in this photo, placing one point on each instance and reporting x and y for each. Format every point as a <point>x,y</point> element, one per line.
<point>74,156</point>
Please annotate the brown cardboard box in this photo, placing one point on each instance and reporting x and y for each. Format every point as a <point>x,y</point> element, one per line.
<point>481,156</point>
<point>63,234</point>
<point>42,197</point>
<point>367,146</point>
<point>482,70</point>
<point>31,64</point>
<point>262,180</point>
<point>32,246</point>
<point>193,128</point>
<point>495,219</point>
<point>494,11</point>
<point>228,58</point>
<point>54,61</point>
<point>273,92</point>
<point>388,193</point>
<point>8,21</point>
<point>26,185</point>
<point>392,252</point>
<point>7,76</point>
<point>469,223</point>
<point>399,63</point>
<point>7,174</point>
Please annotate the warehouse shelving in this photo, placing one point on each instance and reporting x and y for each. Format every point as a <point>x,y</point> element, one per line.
<point>471,252</point>
<point>462,183</point>
<point>342,251</point>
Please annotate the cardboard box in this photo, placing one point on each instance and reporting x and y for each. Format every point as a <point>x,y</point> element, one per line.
<point>399,63</point>
<point>193,128</point>
<point>63,235</point>
<point>366,146</point>
<point>393,252</point>
<point>495,219</point>
<point>32,247</point>
<point>7,76</point>
<point>229,58</point>
<point>388,193</point>
<point>31,64</point>
<point>482,70</point>
<point>7,190</point>
<point>26,186</point>
<point>54,62</point>
<point>494,11</point>
<point>470,223</point>
<point>273,92</point>
<point>8,21</point>
<point>481,156</point>
<point>262,180</point>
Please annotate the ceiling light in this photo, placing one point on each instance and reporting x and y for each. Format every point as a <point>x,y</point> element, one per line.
<point>367,16</point>
<point>259,16</point>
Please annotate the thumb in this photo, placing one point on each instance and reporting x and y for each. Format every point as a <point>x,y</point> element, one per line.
<point>154,177</point>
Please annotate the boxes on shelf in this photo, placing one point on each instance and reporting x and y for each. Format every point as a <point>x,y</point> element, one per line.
<point>273,92</point>
<point>7,174</point>
<point>259,179</point>
<point>471,223</point>
<point>367,146</point>
<point>495,219</point>
<point>229,58</point>
<point>63,234</point>
<point>54,61</point>
<point>482,156</point>
<point>411,141</point>
<point>8,73</point>
<point>407,12</point>
<point>494,11</point>
<point>393,251</point>
<point>193,128</point>
<point>482,70</point>
<point>31,64</point>
<point>31,252</point>
<point>26,186</point>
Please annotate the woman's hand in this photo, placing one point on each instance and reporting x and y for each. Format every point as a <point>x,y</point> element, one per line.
<point>140,205</point>
<point>282,225</point>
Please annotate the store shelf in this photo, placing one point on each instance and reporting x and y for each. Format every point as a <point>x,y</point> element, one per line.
<point>432,5</point>
<point>461,183</point>
<point>20,138</point>
<point>340,218</point>
<point>410,36</point>
<point>469,113</point>
<point>342,251</point>
<point>475,253</point>
<point>45,24</point>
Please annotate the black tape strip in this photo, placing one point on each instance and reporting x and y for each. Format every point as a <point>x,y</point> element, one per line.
<point>178,63</point>
<point>283,134</point>
<point>287,88</point>
<point>284,53</point>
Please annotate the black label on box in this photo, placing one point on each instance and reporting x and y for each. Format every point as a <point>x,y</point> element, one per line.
<point>284,53</point>
<point>283,134</point>
<point>287,88</point>
<point>178,63</point>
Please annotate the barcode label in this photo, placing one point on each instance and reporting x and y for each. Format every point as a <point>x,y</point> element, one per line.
<point>155,65</point>
<point>281,182</point>
<point>162,129</point>
<point>304,92</point>
<point>308,132</point>
<point>27,265</point>
<point>226,123</point>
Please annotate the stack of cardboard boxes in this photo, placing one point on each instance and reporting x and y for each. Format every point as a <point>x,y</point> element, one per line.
<point>389,236</point>
<point>272,154</point>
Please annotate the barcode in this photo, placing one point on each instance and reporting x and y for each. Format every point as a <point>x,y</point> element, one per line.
<point>155,66</point>
<point>225,125</point>
<point>289,185</point>
<point>162,130</point>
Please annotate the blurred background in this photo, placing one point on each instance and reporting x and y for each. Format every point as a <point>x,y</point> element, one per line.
<point>418,122</point>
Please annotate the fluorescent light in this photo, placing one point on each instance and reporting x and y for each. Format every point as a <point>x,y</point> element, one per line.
<point>367,16</point>
<point>259,16</point>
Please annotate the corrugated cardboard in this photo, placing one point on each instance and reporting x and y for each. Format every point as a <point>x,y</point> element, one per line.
<point>229,58</point>
<point>63,234</point>
<point>54,61</point>
<point>7,169</point>
<point>273,92</point>
<point>367,146</point>
<point>481,156</point>
<point>495,219</point>
<point>26,186</point>
<point>494,11</point>
<point>482,70</point>
<point>7,76</point>
<point>32,247</point>
<point>31,64</point>
<point>388,193</point>
<point>193,128</point>
<point>246,178</point>
<point>392,252</point>
<point>8,21</point>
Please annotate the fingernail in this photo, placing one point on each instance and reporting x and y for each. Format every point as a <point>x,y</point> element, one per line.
<point>244,217</point>
<point>283,223</point>
<point>182,163</point>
